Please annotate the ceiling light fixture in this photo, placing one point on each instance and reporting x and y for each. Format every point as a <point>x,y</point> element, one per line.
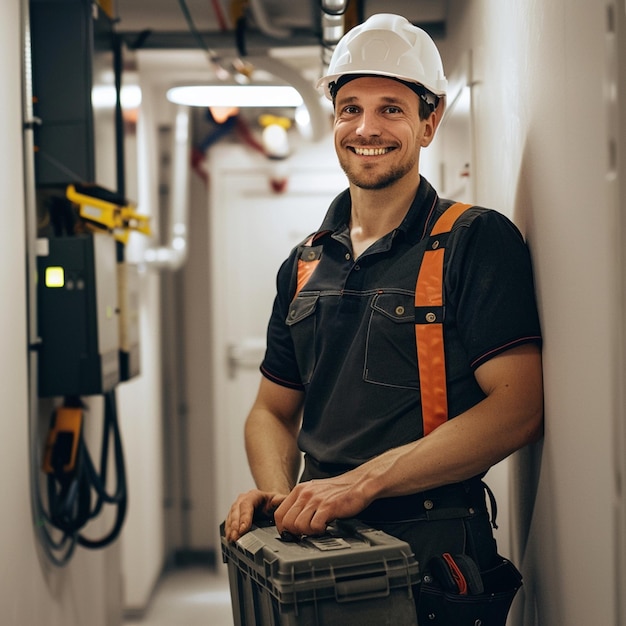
<point>235,95</point>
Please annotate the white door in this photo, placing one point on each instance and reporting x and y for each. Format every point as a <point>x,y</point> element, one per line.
<point>253,231</point>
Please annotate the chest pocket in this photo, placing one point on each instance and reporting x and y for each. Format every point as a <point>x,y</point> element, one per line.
<point>302,324</point>
<point>390,357</point>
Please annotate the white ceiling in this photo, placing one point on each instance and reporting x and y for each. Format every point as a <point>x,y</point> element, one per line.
<point>167,15</point>
<point>286,22</point>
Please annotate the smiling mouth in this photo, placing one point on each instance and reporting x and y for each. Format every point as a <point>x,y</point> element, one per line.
<point>371,151</point>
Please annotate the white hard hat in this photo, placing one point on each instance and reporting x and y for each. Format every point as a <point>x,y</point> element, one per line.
<point>387,45</point>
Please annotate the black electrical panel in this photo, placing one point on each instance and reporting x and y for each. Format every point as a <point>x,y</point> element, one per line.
<point>78,315</point>
<point>74,92</point>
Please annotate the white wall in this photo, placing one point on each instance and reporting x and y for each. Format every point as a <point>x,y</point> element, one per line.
<point>16,560</point>
<point>89,589</point>
<point>541,129</point>
<point>198,312</point>
<point>142,546</point>
<point>142,542</point>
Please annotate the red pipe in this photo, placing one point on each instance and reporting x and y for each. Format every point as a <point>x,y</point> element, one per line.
<point>219,14</point>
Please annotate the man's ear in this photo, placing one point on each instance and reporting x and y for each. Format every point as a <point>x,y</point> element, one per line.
<point>430,126</point>
<point>433,122</point>
<point>441,107</point>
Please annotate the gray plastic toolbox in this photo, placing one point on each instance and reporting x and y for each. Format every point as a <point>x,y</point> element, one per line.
<point>351,575</point>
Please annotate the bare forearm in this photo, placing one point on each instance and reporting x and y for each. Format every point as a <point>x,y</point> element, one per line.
<point>458,450</point>
<point>270,434</point>
<point>510,417</point>
<point>272,451</point>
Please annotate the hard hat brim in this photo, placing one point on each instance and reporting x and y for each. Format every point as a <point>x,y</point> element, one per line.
<point>323,84</point>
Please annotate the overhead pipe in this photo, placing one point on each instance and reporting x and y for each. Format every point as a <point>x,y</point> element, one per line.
<point>174,254</point>
<point>333,26</point>
<point>335,7</point>
<point>332,31</point>
<point>332,21</point>
<point>260,17</point>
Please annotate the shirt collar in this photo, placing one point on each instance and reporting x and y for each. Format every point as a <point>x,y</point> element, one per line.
<point>413,226</point>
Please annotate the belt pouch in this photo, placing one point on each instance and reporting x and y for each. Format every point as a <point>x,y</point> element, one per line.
<point>440,606</point>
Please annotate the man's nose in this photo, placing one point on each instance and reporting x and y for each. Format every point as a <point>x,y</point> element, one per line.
<point>369,124</point>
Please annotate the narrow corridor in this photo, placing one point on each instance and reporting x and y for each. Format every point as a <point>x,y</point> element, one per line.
<point>189,596</point>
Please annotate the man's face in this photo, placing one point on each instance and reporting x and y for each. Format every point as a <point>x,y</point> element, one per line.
<point>378,132</point>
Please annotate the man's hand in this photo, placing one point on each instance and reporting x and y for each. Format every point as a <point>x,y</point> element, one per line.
<point>239,518</point>
<point>312,505</point>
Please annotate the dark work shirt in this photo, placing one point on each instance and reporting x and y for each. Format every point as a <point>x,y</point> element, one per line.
<point>348,338</point>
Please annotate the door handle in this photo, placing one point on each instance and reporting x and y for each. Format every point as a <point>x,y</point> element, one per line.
<point>246,354</point>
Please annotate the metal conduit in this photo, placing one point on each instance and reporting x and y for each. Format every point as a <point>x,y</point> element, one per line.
<point>333,26</point>
<point>174,254</point>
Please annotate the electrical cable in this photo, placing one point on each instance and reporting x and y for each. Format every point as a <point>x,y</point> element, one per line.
<point>219,14</point>
<point>98,481</point>
<point>70,492</point>
<point>191,25</point>
<point>213,57</point>
<point>240,35</point>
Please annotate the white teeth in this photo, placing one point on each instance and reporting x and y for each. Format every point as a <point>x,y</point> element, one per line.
<point>371,151</point>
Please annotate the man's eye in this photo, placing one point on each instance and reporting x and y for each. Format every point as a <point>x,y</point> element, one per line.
<point>351,110</point>
<point>393,110</point>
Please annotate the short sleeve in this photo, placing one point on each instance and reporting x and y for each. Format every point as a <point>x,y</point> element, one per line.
<point>489,283</point>
<point>279,364</point>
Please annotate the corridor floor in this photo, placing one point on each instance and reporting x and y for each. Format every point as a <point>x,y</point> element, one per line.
<point>190,596</point>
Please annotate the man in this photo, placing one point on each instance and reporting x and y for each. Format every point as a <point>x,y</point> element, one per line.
<point>340,376</point>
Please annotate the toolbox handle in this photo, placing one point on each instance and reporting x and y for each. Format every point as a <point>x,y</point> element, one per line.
<point>351,589</point>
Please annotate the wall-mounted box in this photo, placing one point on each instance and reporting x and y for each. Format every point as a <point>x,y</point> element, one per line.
<point>74,93</point>
<point>77,310</point>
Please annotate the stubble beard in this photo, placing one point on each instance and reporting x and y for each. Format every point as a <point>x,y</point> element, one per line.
<point>359,176</point>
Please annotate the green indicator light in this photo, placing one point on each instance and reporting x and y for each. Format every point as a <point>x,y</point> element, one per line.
<point>55,277</point>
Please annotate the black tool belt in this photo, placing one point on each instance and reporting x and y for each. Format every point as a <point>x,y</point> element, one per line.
<point>453,501</point>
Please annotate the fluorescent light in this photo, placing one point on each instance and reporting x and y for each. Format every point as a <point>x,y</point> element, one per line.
<point>104,96</point>
<point>235,95</point>
<point>130,96</point>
